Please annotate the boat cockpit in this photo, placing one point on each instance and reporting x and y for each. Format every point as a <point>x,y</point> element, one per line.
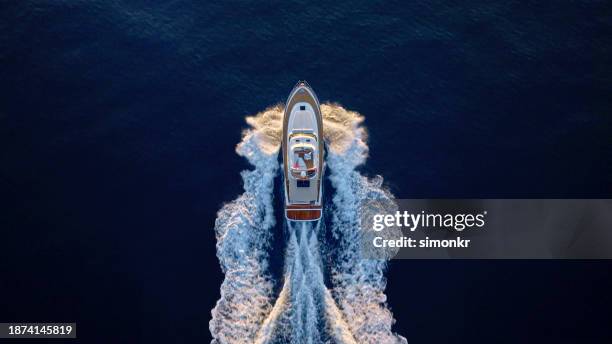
<point>304,155</point>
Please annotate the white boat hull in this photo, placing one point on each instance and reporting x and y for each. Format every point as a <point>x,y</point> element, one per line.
<point>303,155</point>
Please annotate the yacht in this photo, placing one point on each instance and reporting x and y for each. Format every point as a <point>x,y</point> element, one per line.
<point>303,155</point>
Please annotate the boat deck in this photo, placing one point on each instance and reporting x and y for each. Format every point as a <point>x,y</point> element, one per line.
<point>303,212</point>
<point>303,196</point>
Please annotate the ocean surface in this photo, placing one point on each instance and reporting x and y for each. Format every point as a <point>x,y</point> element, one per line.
<point>119,122</point>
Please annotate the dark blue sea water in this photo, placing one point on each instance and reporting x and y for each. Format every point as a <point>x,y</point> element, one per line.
<point>118,122</point>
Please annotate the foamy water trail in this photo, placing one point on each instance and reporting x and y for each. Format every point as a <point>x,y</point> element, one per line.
<point>305,310</point>
<point>243,229</point>
<point>359,284</point>
<point>304,318</point>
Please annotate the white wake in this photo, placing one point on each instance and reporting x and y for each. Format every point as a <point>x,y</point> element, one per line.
<point>243,229</point>
<point>359,284</point>
<point>305,311</point>
<point>353,309</point>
